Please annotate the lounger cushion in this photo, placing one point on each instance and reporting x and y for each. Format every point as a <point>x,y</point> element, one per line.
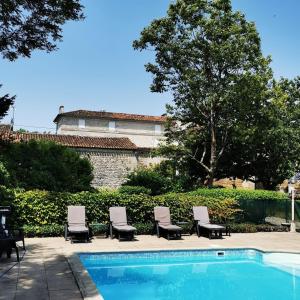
<point>126,228</point>
<point>118,215</point>
<point>162,214</point>
<point>76,215</point>
<point>211,226</point>
<point>78,228</point>
<point>201,214</point>
<point>170,227</point>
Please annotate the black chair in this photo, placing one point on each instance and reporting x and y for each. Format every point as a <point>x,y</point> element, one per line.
<point>7,243</point>
<point>9,236</point>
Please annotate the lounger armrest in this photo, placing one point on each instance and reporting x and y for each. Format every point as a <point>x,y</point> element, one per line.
<point>16,232</point>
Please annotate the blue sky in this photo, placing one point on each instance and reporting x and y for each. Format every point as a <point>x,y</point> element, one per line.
<point>96,68</point>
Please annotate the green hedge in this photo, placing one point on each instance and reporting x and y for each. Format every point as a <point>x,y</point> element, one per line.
<point>43,213</point>
<point>134,190</point>
<point>143,228</point>
<point>40,208</point>
<point>256,204</point>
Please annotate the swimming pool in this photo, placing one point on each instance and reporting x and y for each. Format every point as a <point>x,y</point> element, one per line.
<point>195,274</point>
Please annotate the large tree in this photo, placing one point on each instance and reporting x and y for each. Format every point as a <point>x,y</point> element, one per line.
<point>266,149</point>
<point>209,57</point>
<point>27,25</point>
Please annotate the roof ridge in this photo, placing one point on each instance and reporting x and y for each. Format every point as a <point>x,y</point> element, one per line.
<point>81,113</point>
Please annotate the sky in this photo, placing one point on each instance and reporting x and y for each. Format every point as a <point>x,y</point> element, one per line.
<point>96,67</point>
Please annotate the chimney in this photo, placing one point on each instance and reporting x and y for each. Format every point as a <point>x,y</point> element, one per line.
<point>61,109</point>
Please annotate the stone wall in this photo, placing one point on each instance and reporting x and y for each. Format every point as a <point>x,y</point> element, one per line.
<point>111,167</point>
<point>235,183</point>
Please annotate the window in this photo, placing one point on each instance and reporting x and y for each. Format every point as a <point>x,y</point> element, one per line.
<point>81,123</point>
<point>157,129</point>
<point>111,125</point>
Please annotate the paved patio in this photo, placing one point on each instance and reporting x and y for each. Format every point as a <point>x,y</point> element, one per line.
<point>45,272</point>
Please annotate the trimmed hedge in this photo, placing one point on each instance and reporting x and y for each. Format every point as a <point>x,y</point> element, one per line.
<point>221,193</point>
<point>144,228</point>
<point>40,208</point>
<point>43,213</point>
<point>252,228</point>
<point>134,190</point>
<point>256,204</point>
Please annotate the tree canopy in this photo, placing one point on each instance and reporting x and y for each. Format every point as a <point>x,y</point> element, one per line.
<point>209,57</point>
<point>267,149</point>
<point>5,102</point>
<point>31,25</point>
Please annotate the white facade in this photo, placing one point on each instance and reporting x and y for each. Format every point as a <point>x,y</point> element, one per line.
<point>145,134</point>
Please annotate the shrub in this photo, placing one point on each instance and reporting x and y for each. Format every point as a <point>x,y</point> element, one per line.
<point>150,179</point>
<point>256,204</point>
<point>46,165</point>
<point>4,175</point>
<point>97,229</point>
<point>240,194</point>
<point>220,210</point>
<point>243,228</point>
<point>134,190</point>
<point>251,228</point>
<point>44,213</point>
<point>270,228</point>
<point>43,231</point>
<point>142,228</point>
<point>42,208</point>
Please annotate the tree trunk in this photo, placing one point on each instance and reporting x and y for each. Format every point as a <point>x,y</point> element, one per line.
<point>268,185</point>
<point>213,152</point>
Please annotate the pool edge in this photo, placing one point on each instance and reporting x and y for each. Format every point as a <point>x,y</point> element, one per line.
<point>85,283</point>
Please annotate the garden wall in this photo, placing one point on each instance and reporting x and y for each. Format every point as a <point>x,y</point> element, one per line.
<point>111,167</point>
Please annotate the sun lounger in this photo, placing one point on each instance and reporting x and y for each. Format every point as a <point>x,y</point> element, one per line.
<point>76,226</point>
<point>163,223</point>
<point>203,224</point>
<point>119,225</point>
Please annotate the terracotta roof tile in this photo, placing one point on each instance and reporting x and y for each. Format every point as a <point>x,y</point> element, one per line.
<point>72,140</point>
<point>110,115</point>
<point>5,128</point>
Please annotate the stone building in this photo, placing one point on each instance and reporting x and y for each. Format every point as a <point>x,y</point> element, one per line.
<point>113,158</point>
<point>144,131</point>
<point>115,143</point>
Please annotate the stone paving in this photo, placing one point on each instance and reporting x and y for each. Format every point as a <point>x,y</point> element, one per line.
<point>45,273</point>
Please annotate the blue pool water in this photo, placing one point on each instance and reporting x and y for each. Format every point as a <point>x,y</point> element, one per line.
<point>183,275</point>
